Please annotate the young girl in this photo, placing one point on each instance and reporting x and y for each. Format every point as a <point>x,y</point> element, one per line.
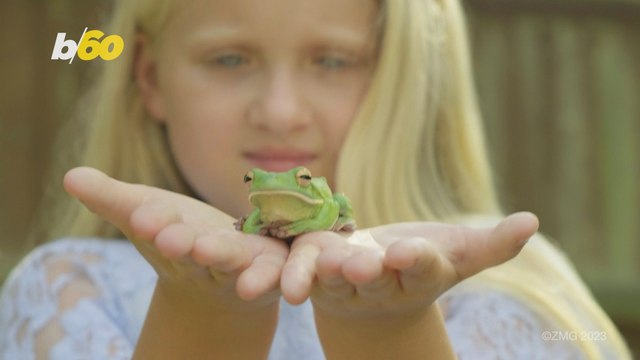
<point>374,95</point>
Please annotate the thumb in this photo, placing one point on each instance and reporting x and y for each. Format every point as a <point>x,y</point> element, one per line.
<point>483,249</point>
<point>108,198</point>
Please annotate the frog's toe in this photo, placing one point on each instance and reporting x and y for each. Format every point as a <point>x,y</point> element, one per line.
<point>239,223</point>
<point>281,233</point>
<point>292,230</point>
<point>349,227</point>
<point>344,224</point>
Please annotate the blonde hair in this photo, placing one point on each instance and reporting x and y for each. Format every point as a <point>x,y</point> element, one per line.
<point>415,151</point>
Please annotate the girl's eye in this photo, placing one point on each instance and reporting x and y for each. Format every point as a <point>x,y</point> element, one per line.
<point>230,60</point>
<point>332,62</point>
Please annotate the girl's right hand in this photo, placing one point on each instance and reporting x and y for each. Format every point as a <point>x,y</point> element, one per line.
<point>193,247</point>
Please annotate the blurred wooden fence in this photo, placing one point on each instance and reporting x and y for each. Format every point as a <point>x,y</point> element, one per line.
<point>559,84</point>
<point>36,95</point>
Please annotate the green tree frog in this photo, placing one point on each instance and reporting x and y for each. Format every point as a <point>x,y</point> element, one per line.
<point>293,202</point>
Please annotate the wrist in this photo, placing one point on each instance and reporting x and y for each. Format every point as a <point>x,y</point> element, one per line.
<point>188,328</point>
<point>417,334</point>
<point>223,300</point>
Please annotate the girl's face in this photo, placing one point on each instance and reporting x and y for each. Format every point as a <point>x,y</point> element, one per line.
<point>254,83</point>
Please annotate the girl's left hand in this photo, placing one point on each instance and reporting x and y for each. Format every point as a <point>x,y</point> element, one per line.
<point>397,268</point>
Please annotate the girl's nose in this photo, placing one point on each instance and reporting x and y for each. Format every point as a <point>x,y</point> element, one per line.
<point>279,105</point>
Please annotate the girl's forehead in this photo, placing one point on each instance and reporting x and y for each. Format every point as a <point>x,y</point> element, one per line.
<point>224,17</point>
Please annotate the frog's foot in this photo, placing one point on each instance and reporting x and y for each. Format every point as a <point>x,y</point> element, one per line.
<point>273,229</point>
<point>291,230</point>
<point>279,232</point>
<point>345,225</point>
<point>238,224</point>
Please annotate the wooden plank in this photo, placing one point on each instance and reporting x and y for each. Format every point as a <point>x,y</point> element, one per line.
<point>617,112</point>
<point>37,95</point>
<point>620,300</point>
<point>589,213</point>
<point>571,133</point>
<point>19,114</point>
<point>532,115</point>
<point>490,55</point>
<point>628,10</point>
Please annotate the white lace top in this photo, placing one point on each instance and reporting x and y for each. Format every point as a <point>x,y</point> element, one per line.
<point>87,299</point>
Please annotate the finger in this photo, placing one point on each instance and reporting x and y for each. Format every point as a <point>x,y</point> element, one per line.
<point>382,287</point>
<point>329,273</point>
<point>419,263</point>
<point>299,272</point>
<point>222,252</point>
<point>517,228</point>
<point>111,199</point>
<point>411,256</point>
<point>149,219</point>
<point>167,258</point>
<point>263,275</point>
<point>363,267</point>
<point>365,270</point>
<point>175,241</point>
<point>481,249</point>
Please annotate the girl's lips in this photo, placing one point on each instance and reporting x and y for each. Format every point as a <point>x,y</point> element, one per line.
<point>279,159</point>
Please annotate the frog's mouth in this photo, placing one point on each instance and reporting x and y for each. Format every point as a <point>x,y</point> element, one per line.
<point>269,193</point>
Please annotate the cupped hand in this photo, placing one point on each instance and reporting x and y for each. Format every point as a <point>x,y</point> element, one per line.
<point>193,247</point>
<point>397,268</point>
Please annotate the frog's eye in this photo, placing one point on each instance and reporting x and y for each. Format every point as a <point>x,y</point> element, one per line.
<point>303,177</point>
<point>248,177</point>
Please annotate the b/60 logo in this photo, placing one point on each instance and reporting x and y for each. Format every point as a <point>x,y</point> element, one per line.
<point>90,46</point>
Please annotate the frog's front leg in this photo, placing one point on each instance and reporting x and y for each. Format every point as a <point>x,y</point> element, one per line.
<point>323,220</point>
<point>253,224</point>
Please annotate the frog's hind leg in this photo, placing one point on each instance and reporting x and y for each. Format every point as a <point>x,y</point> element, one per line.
<point>345,221</point>
<point>323,220</point>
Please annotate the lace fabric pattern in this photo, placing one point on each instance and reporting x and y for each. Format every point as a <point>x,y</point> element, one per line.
<point>87,298</point>
<point>67,299</point>
<point>492,325</point>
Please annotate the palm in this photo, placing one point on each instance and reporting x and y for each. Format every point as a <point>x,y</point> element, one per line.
<point>403,266</point>
<point>191,245</point>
